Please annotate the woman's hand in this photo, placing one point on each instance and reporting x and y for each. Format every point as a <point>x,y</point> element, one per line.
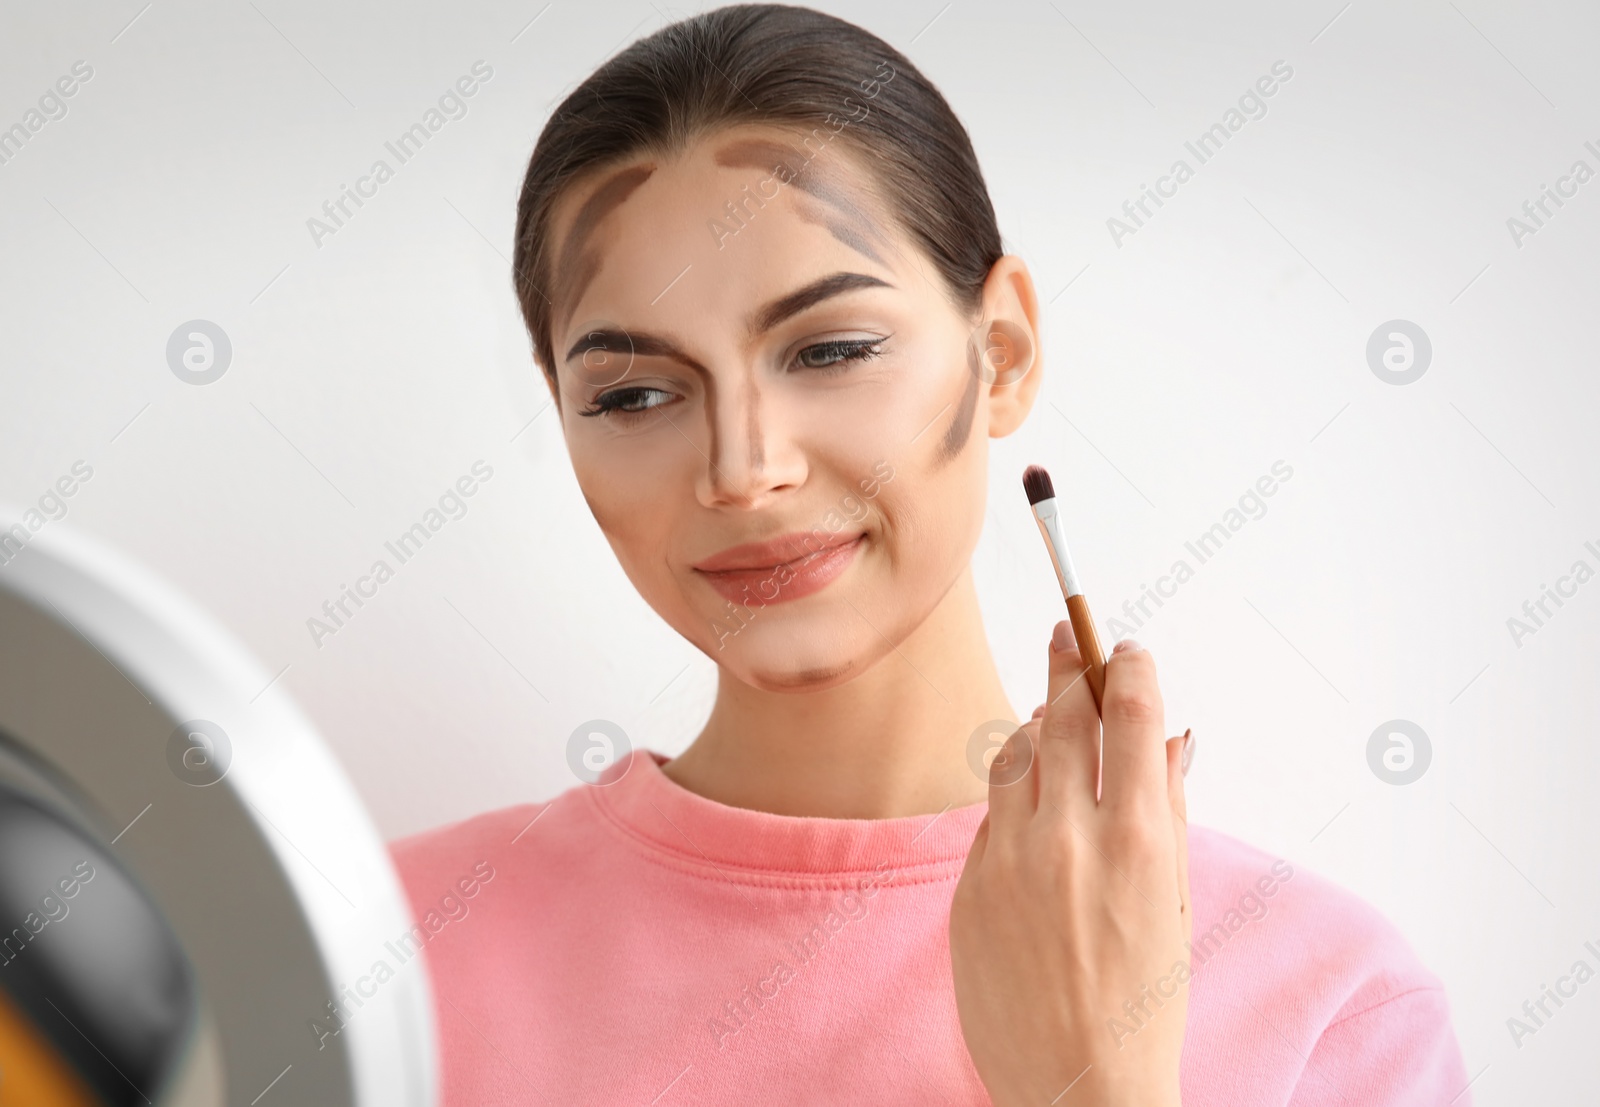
<point>1069,925</point>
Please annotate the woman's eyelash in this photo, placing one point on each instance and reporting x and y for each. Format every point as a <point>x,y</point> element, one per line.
<point>624,401</point>
<point>821,357</point>
<point>840,353</point>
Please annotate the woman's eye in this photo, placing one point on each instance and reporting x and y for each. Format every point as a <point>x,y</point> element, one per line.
<point>627,401</point>
<point>825,357</point>
<point>839,353</point>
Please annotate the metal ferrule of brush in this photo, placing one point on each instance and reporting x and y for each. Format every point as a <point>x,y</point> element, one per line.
<point>1050,526</point>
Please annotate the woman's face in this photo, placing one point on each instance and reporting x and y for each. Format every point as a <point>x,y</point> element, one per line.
<point>773,408</point>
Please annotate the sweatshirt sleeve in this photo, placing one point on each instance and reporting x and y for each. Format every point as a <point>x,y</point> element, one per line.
<point>1398,1053</point>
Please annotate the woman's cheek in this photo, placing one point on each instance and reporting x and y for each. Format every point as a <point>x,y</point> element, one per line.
<point>934,520</point>
<point>637,531</point>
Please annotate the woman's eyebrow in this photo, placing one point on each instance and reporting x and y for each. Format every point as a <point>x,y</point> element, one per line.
<point>764,318</point>
<point>633,343</point>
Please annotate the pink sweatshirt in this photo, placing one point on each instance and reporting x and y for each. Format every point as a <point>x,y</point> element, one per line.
<point>631,942</point>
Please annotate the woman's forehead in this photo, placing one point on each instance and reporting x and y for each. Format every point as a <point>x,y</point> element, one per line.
<point>829,190</point>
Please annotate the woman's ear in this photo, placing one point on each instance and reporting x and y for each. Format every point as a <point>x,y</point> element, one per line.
<point>1006,345</point>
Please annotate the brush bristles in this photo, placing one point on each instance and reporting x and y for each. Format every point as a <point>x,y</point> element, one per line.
<point>1037,484</point>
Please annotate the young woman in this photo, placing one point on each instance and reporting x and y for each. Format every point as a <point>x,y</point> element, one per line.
<point>764,282</point>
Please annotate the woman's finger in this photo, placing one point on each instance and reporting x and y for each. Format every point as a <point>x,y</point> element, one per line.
<point>1177,804</point>
<point>1069,732</point>
<point>1013,777</point>
<point>1134,774</point>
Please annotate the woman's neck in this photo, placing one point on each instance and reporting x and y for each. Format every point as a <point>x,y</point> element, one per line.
<point>892,742</point>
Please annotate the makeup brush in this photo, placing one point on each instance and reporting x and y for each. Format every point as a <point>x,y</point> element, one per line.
<point>1042,496</point>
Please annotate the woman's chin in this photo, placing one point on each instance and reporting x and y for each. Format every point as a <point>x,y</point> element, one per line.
<point>790,656</point>
<point>816,679</point>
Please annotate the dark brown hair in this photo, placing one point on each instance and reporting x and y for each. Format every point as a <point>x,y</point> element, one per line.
<point>772,64</point>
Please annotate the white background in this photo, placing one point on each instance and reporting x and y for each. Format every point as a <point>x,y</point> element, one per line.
<point>1229,332</point>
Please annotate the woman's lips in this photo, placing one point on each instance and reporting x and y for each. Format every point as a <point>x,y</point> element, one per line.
<point>787,568</point>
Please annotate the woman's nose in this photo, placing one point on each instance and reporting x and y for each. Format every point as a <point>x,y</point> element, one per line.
<point>751,454</point>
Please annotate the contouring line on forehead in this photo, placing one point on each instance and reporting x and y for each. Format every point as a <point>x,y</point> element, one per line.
<point>842,232</point>
<point>857,233</point>
<point>578,264</point>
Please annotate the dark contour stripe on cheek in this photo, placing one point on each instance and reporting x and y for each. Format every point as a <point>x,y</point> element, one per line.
<point>955,437</point>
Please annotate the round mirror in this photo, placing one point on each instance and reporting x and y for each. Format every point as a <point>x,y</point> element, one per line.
<point>194,906</point>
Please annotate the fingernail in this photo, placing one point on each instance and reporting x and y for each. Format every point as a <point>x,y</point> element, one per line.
<point>1188,751</point>
<point>1063,638</point>
<point>1126,644</point>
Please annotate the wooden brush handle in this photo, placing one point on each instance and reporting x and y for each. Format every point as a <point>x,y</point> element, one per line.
<point>1088,644</point>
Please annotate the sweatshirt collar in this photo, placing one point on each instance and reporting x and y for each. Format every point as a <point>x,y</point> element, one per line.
<point>666,818</point>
